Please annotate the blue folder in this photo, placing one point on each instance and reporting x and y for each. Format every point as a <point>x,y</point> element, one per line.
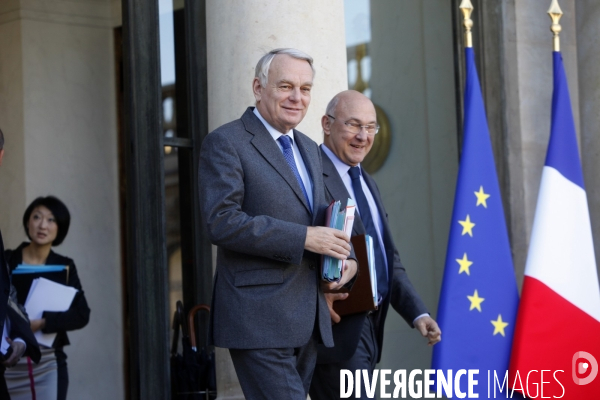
<point>23,275</point>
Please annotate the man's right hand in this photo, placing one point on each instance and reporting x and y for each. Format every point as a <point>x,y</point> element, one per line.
<point>18,349</point>
<point>327,241</point>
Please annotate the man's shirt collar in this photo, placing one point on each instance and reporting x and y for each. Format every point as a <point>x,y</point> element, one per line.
<point>341,167</point>
<point>272,131</point>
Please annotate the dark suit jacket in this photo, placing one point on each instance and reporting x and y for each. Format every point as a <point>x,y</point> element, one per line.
<point>19,323</point>
<point>401,295</point>
<point>266,286</point>
<point>78,314</point>
<point>21,328</point>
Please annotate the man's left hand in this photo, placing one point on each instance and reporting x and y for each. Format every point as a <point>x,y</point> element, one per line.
<point>331,297</point>
<point>18,349</point>
<point>429,329</point>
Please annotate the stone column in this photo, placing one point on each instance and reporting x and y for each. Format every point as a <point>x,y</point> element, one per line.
<point>12,171</point>
<point>238,34</point>
<point>588,30</point>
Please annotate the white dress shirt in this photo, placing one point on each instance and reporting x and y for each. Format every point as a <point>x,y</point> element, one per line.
<point>342,169</point>
<point>297,156</point>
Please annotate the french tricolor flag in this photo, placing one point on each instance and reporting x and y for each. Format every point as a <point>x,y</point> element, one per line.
<point>557,332</point>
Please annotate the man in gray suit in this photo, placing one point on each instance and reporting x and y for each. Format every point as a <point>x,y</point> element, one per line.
<point>349,126</point>
<point>262,198</point>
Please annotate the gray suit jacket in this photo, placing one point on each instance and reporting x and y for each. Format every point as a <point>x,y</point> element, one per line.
<point>266,286</point>
<point>402,295</point>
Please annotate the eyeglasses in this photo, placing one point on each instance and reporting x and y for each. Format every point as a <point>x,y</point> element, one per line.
<point>357,128</point>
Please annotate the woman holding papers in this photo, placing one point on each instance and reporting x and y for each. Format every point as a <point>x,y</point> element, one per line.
<point>46,222</point>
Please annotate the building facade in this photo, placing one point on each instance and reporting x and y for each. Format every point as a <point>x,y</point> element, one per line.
<point>104,104</point>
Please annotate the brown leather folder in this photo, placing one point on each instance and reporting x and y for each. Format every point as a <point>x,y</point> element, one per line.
<point>360,297</point>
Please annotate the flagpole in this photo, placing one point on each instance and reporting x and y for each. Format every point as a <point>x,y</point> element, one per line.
<point>555,14</point>
<point>467,8</point>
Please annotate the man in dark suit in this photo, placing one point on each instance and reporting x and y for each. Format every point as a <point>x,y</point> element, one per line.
<point>262,199</point>
<point>14,324</point>
<point>349,126</point>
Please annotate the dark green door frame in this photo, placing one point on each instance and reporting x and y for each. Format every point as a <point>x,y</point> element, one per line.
<point>147,319</point>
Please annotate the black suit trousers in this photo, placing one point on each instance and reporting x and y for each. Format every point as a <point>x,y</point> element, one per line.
<point>4,395</point>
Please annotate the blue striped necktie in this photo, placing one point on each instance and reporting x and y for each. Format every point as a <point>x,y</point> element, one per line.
<point>367,220</point>
<point>288,154</point>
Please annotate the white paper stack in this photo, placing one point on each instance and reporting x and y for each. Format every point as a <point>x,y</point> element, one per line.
<point>46,295</point>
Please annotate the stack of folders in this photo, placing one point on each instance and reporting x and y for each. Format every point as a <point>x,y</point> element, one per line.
<point>23,276</point>
<point>42,288</point>
<point>363,295</point>
<point>341,218</point>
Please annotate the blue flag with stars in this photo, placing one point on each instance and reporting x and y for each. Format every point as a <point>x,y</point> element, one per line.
<point>479,297</point>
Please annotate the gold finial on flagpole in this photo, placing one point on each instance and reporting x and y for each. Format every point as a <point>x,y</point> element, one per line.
<point>467,8</point>
<point>555,13</point>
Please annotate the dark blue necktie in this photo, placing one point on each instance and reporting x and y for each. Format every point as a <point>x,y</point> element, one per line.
<point>288,154</point>
<point>367,219</point>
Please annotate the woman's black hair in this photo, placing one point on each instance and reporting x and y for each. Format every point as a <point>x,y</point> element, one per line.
<point>58,209</point>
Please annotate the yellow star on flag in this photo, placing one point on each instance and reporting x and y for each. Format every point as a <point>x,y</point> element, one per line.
<point>467,226</point>
<point>464,264</point>
<point>475,301</point>
<point>481,197</point>
<point>499,325</point>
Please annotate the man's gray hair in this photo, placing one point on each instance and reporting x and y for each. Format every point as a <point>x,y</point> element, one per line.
<point>262,67</point>
<point>332,105</point>
<point>1,140</point>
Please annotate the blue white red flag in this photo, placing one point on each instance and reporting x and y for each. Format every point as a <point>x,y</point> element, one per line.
<point>558,325</point>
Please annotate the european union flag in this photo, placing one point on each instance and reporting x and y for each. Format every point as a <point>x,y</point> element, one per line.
<point>479,298</point>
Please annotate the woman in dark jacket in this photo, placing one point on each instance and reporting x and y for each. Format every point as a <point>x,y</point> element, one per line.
<point>46,222</point>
